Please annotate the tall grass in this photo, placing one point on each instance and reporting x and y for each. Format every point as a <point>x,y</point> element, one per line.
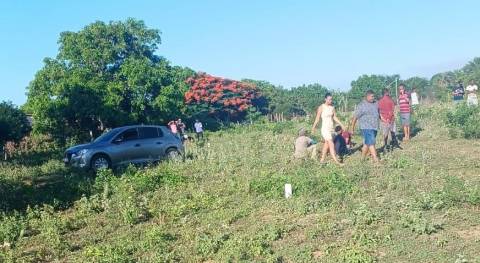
<point>225,203</point>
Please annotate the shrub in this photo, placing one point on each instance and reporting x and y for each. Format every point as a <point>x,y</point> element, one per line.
<point>464,121</point>
<point>12,227</point>
<point>420,225</point>
<point>13,123</point>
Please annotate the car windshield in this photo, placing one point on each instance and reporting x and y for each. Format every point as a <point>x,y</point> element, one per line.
<point>107,136</point>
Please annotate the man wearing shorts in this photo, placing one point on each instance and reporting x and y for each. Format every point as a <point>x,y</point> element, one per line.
<point>404,105</point>
<point>367,116</point>
<point>386,108</point>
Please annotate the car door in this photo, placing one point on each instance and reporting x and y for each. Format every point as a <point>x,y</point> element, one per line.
<point>127,147</point>
<point>150,139</point>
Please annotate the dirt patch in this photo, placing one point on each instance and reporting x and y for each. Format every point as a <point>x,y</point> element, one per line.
<point>318,254</point>
<point>471,234</point>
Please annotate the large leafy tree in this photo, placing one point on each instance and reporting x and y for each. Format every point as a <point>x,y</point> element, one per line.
<point>105,75</point>
<point>13,123</point>
<point>471,71</point>
<point>274,98</point>
<point>372,82</point>
<point>307,98</point>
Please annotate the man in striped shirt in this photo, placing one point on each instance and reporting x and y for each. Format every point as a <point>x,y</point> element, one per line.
<point>404,105</point>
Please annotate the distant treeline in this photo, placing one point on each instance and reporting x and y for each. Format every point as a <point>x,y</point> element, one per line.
<point>109,74</point>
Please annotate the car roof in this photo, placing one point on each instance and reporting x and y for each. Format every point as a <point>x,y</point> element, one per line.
<point>140,126</point>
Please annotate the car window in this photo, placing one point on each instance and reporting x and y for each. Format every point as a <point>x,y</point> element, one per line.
<point>160,132</point>
<point>148,132</point>
<point>128,135</point>
<point>106,136</point>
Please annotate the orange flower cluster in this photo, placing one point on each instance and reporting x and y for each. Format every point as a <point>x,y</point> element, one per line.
<point>220,94</point>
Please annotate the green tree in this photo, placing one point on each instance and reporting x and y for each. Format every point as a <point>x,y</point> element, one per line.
<point>471,71</point>
<point>374,82</point>
<point>105,75</point>
<point>442,84</point>
<point>421,84</point>
<point>274,96</point>
<point>13,123</point>
<point>308,97</point>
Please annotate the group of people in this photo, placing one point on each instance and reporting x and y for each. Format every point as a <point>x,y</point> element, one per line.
<point>458,93</point>
<point>177,127</point>
<point>369,115</point>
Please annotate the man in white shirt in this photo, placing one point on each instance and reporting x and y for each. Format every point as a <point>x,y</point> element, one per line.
<point>198,129</point>
<point>472,89</point>
<point>414,97</point>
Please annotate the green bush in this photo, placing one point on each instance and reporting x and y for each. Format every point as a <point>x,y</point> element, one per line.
<point>464,121</point>
<point>12,227</point>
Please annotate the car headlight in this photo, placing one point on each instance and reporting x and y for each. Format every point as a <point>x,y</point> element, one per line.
<point>80,153</point>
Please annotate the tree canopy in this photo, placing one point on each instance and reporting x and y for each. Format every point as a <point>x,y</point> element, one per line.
<point>106,75</point>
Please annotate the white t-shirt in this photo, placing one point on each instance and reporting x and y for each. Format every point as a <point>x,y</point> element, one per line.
<point>471,88</point>
<point>198,127</point>
<point>414,97</point>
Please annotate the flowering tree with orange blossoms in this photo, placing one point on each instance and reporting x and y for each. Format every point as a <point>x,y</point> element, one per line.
<point>222,99</point>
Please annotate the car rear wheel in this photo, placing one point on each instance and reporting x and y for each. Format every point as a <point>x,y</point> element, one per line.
<point>100,161</point>
<point>173,155</point>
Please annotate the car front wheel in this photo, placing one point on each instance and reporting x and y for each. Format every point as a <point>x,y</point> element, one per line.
<point>100,161</point>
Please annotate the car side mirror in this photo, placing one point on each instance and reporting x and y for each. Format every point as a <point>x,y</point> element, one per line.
<point>117,141</point>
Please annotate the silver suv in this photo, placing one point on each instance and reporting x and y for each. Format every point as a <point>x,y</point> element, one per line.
<point>124,145</point>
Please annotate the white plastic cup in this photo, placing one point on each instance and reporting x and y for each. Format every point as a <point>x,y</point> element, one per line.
<point>288,190</point>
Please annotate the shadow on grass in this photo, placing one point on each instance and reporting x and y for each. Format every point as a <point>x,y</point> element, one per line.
<point>35,158</point>
<point>56,189</point>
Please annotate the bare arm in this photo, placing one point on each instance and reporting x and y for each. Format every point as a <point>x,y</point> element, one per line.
<point>354,121</point>
<point>317,119</point>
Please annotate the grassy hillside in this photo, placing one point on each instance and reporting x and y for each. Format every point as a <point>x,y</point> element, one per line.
<point>226,204</point>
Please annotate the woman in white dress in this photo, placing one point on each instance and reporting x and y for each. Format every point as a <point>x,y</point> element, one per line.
<point>327,113</point>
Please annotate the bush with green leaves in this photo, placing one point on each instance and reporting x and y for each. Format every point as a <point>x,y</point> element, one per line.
<point>13,123</point>
<point>12,227</point>
<point>464,121</point>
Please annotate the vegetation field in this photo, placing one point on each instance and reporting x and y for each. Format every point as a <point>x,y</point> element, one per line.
<point>225,203</point>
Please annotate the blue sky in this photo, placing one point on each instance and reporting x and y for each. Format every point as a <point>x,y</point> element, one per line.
<point>288,43</point>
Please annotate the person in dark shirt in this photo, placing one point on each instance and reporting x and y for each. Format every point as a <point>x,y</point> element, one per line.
<point>340,142</point>
<point>458,93</point>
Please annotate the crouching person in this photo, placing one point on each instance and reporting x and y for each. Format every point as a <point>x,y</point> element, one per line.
<point>305,146</point>
<point>341,141</point>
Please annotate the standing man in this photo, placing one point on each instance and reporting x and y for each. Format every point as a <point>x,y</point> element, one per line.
<point>404,105</point>
<point>458,93</point>
<point>181,128</point>
<point>367,117</point>
<point>386,108</point>
<point>198,127</point>
<point>414,97</point>
<point>472,89</point>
